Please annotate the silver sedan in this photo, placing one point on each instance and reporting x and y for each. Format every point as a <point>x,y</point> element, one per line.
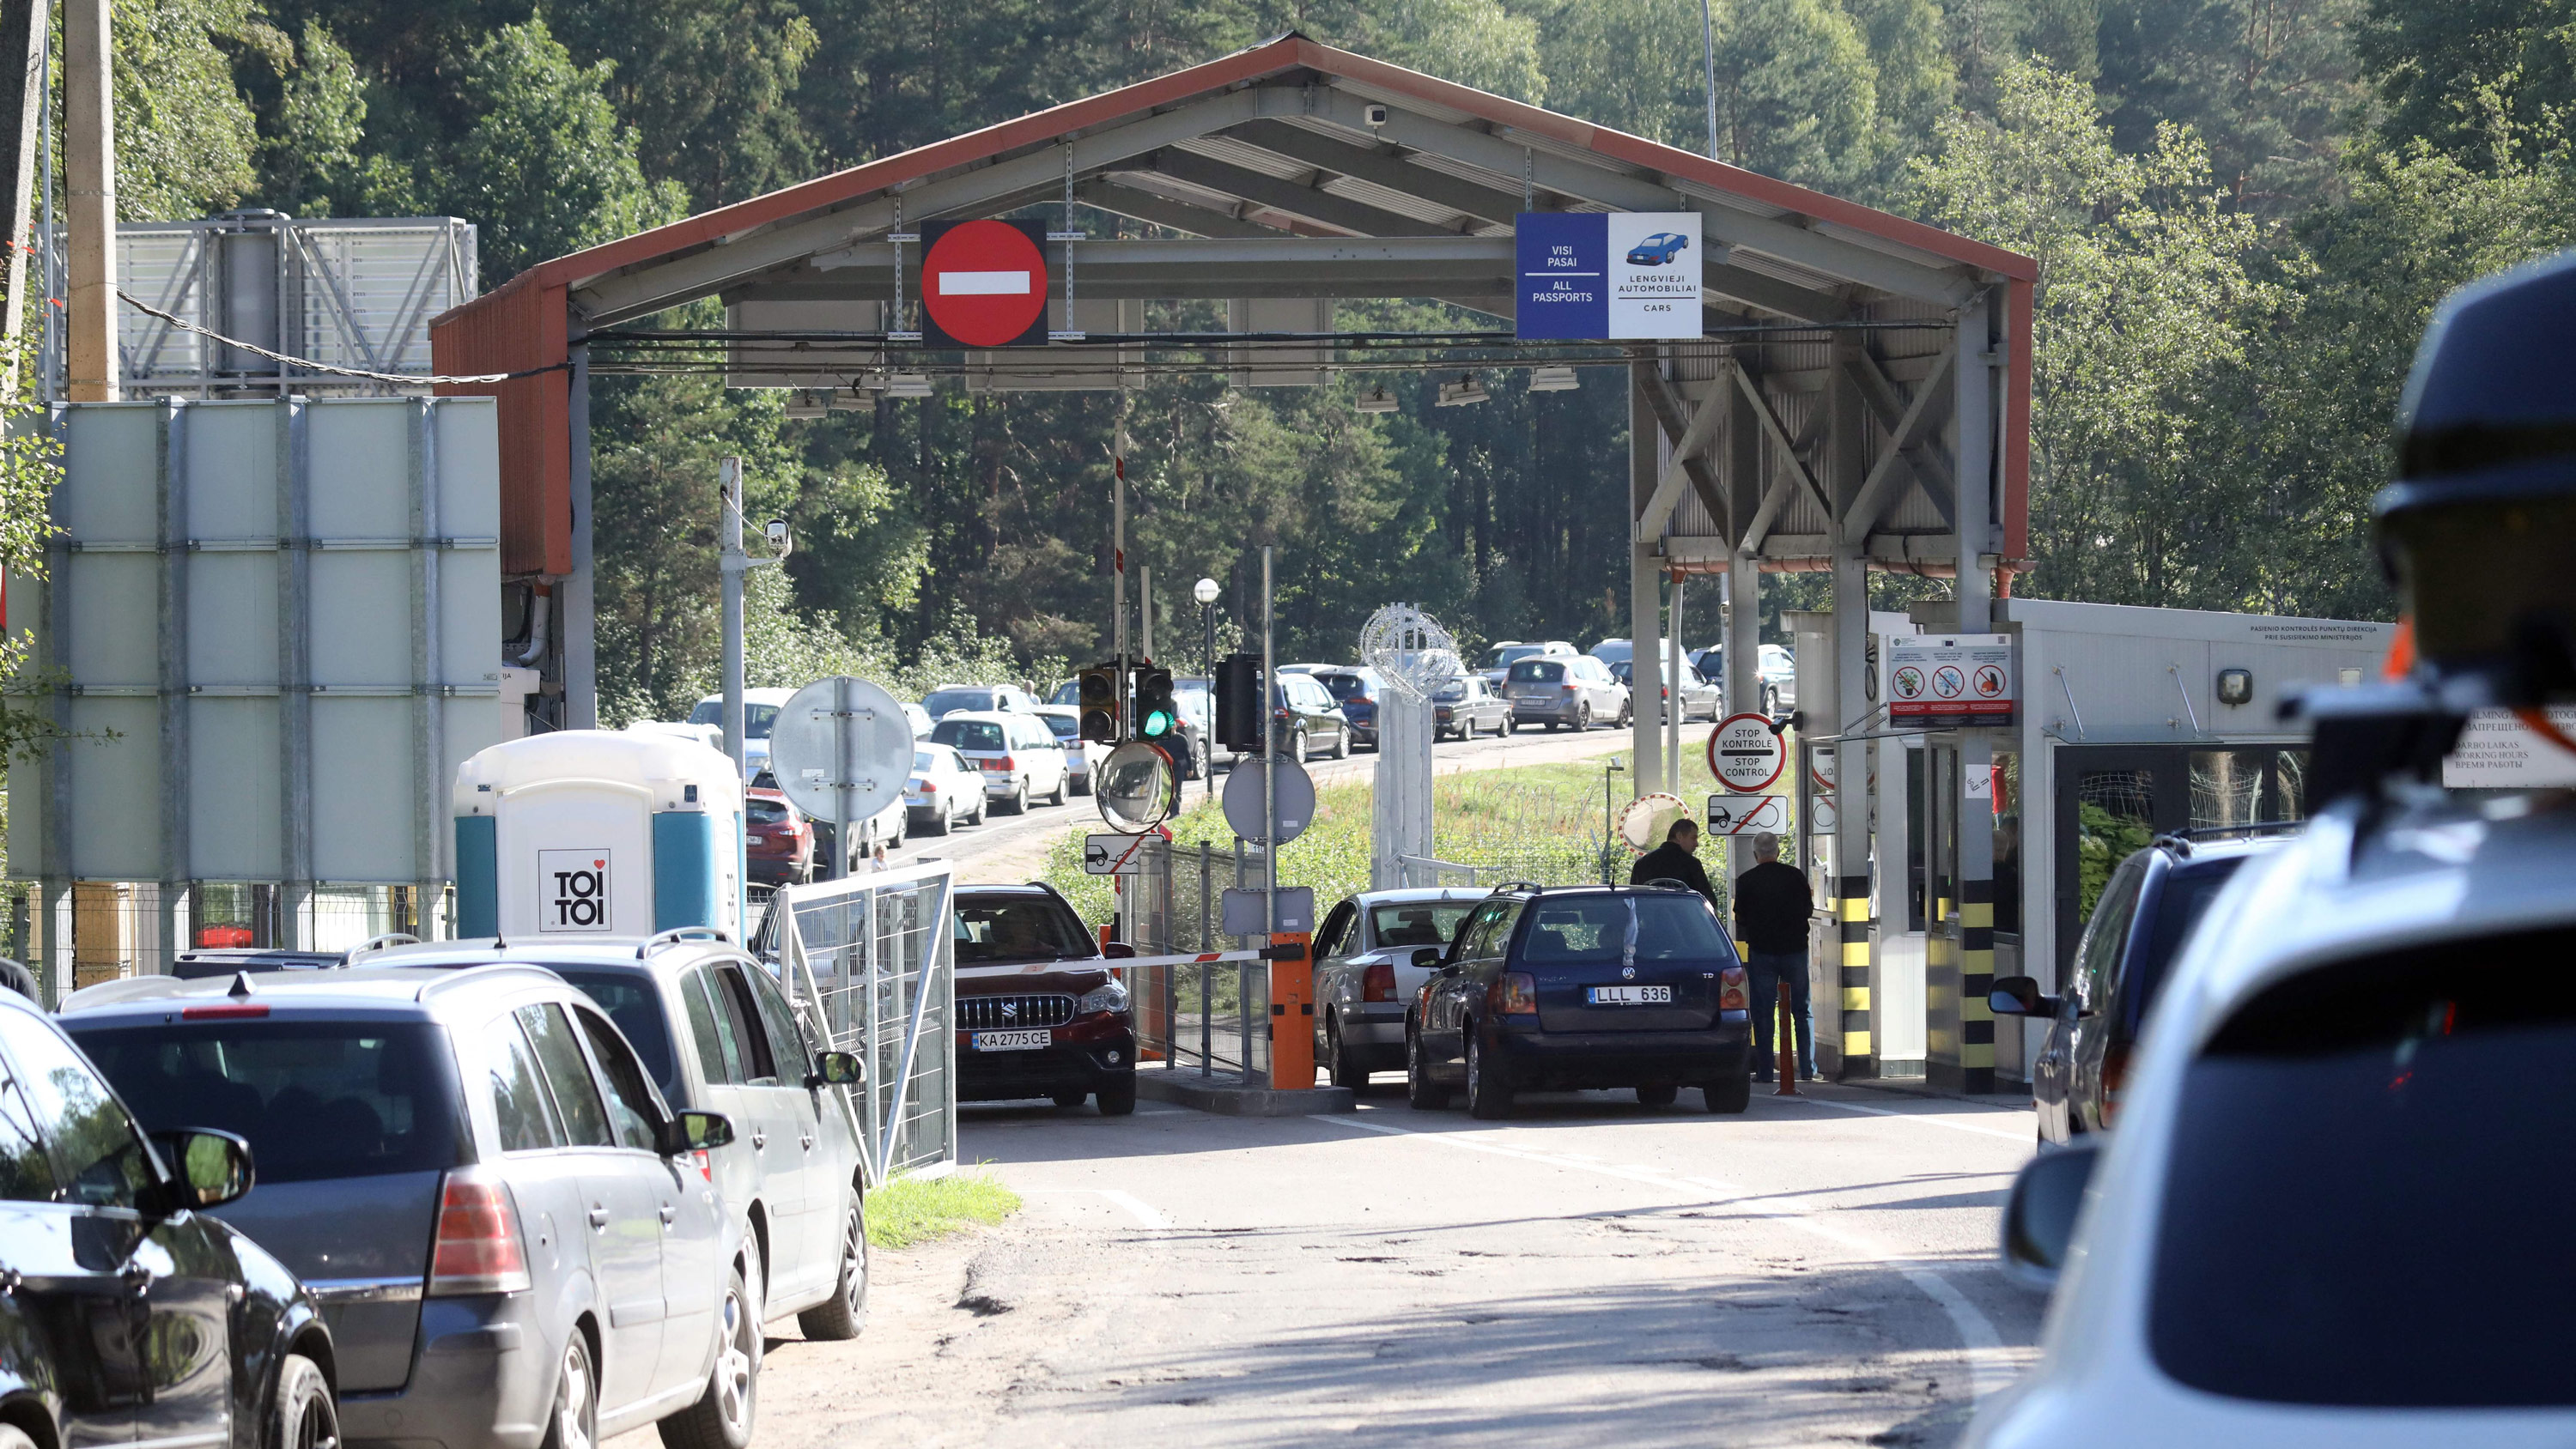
<point>1365,976</point>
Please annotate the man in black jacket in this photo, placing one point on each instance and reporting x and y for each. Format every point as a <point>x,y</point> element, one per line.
<point>1676,859</point>
<point>1771,910</point>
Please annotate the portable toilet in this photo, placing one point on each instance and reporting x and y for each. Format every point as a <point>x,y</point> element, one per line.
<point>597,833</point>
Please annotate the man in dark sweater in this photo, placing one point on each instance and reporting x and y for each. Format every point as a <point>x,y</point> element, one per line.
<point>1676,859</point>
<point>1771,910</point>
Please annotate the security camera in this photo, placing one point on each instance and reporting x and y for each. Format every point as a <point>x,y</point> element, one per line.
<point>781,542</point>
<point>1374,115</point>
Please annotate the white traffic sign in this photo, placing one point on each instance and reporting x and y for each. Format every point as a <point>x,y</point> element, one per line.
<point>1114,854</point>
<point>1746,753</point>
<point>1742,815</point>
<point>1946,681</point>
<point>1242,797</point>
<point>841,749</point>
<point>1821,763</point>
<point>1822,817</point>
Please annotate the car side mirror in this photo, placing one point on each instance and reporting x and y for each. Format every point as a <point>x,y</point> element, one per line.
<point>2021,996</point>
<point>2040,1215</point>
<point>836,1069</point>
<point>1117,950</point>
<point>695,1132</point>
<point>207,1168</point>
<point>1427,956</point>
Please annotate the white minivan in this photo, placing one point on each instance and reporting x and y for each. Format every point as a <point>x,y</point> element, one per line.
<point>1015,752</point>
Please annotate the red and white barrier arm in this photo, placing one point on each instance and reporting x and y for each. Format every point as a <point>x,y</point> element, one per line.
<point>1123,962</point>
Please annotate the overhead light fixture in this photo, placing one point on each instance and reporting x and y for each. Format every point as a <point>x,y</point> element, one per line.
<point>1553,379</point>
<point>1377,400</point>
<point>1462,392</point>
<point>806,404</point>
<point>851,399</point>
<point>908,384</point>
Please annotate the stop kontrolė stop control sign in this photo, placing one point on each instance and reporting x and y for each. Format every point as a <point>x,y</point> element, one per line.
<point>983,284</point>
<point>1745,753</point>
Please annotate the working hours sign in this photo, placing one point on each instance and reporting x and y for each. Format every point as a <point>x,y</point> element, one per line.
<point>1947,681</point>
<point>1590,276</point>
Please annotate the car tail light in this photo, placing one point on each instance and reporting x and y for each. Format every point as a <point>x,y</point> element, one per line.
<point>478,1248</point>
<point>1566,689</point>
<point>226,1012</point>
<point>1377,983</point>
<point>927,788</point>
<point>1007,764</point>
<point>1514,993</point>
<point>2115,1075</point>
<point>1731,992</point>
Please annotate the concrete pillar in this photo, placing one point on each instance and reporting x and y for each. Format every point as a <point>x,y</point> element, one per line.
<point>1853,715</point>
<point>1959,992</point>
<point>89,173</point>
<point>1646,450</point>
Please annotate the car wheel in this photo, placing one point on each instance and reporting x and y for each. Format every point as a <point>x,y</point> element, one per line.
<point>1512,726</point>
<point>1018,804</point>
<point>1489,1093</point>
<point>1583,717</point>
<point>842,1315</point>
<point>1346,1073</point>
<point>1730,1093</point>
<point>1658,1094</point>
<point>1771,702</point>
<point>1420,1092</point>
<point>306,1416</point>
<point>1057,796</point>
<point>1341,744</point>
<point>1626,714</point>
<point>1297,747</point>
<point>1071,1097</point>
<point>574,1421</point>
<point>1118,1098</point>
<point>983,807</point>
<point>938,823</point>
<point>722,1417</point>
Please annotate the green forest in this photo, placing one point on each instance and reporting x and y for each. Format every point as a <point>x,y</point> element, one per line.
<point>2244,211</point>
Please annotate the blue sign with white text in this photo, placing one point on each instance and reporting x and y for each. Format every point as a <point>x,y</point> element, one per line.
<point>1563,261</point>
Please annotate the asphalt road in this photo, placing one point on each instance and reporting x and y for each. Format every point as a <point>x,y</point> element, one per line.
<point>1591,1273</point>
<point>1013,848</point>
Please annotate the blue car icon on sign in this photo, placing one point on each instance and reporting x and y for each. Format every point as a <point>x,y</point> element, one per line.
<point>1657,250</point>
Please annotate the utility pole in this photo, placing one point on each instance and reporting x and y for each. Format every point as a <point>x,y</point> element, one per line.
<point>36,15</point>
<point>89,156</point>
<point>734,563</point>
<point>1708,59</point>
<point>1118,565</point>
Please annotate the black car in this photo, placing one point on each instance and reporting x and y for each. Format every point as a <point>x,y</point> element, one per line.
<point>1570,988</point>
<point>1038,1012</point>
<point>1357,692</point>
<point>2141,920</point>
<point>128,1313</point>
<point>1305,718</point>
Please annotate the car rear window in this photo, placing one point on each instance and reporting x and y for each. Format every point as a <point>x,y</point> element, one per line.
<point>1343,686</point>
<point>766,812</point>
<point>315,1099</point>
<point>944,701</point>
<point>1609,927</point>
<point>635,1004</point>
<point>969,734</point>
<point>2179,906</point>
<point>1019,928</point>
<point>1418,923</point>
<point>2367,1197</point>
<point>1066,727</point>
<point>1538,671</point>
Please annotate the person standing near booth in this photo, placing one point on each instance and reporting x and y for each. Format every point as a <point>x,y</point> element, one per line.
<point>1772,906</point>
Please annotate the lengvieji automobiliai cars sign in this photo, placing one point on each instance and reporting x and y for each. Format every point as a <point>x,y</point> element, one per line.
<point>1589,276</point>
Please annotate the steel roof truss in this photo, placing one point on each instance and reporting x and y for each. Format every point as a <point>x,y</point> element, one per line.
<point>1161,210</point>
<point>1909,430</point>
<point>1689,460</point>
<point>1292,197</point>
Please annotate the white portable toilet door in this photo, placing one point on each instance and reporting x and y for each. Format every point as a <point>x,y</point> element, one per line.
<point>575,861</point>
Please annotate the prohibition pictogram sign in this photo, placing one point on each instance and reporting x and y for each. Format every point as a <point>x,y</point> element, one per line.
<point>1947,681</point>
<point>983,284</point>
<point>1989,681</point>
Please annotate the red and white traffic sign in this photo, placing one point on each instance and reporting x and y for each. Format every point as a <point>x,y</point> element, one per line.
<point>983,284</point>
<point>1746,754</point>
<point>1731,816</point>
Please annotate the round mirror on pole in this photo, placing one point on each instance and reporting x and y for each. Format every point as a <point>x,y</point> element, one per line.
<point>1137,788</point>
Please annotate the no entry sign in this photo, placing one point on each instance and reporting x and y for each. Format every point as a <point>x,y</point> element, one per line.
<point>1745,754</point>
<point>983,284</point>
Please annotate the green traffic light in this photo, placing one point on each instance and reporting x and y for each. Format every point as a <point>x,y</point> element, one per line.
<point>1157,725</point>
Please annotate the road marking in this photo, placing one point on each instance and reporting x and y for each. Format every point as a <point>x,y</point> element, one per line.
<point>2024,1138</point>
<point>1981,1346</point>
<point>1136,1207</point>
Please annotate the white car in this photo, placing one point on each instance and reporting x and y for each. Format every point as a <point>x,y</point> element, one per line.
<point>760,709</point>
<point>919,719</point>
<point>1512,651</point>
<point>948,699</point>
<point>1565,692</point>
<point>2334,1210</point>
<point>1081,756</point>
<point>1366,975</point>
<point>943,791</point>
<point>1013,750</point>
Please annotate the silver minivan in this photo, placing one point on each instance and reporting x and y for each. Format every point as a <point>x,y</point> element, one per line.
<point>514,1239</point>
<point>716,1033</point>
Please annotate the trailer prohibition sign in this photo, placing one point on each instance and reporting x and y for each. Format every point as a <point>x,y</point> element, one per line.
<point>1746,753</point>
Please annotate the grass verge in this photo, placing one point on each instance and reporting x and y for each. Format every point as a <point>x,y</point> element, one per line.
<point>913,1210</point>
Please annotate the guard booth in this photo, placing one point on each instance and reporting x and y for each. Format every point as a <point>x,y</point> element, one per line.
<point>2127,723</point>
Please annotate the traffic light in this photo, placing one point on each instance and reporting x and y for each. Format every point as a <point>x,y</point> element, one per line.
<point>1100,703</point>
<point>1239,712</point>
<point>1158,716</point>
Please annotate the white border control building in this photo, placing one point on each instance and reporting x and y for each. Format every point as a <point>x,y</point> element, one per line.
<point>2130,722</point>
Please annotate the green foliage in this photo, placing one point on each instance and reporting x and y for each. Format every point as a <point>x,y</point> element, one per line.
<point>2102,841</point>
<point>2466,76</point>
<point>185,139</point>
<point>909,1210</point>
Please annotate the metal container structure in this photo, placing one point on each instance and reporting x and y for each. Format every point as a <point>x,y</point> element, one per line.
<point>355,293</point>
<point>267,631</point>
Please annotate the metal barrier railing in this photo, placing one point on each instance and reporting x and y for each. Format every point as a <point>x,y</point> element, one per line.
<point>1202,1016</point>
<point>872,961</point>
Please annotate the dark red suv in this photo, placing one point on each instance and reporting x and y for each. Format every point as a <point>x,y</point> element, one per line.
<point>1038,1012</point>
<point>778,841</point>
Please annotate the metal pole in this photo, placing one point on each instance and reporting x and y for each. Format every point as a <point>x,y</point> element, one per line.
<point>733,564</point>
<point>1708,59</point>
<point>1207,667</point>
<point>1269,760</point>
<point>22,202</point>
<point>1207,1007</point>
<point>1145,611</point>
<point>842,823</point>
<point>1118,564</point>
<point>89,144</point>
<point>1672,695</point>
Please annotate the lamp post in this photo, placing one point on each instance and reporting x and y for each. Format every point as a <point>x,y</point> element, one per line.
<point>1608,826</point>
<point>1206,591</point>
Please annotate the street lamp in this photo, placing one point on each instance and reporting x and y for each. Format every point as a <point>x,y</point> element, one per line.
<point>1206,591</point>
